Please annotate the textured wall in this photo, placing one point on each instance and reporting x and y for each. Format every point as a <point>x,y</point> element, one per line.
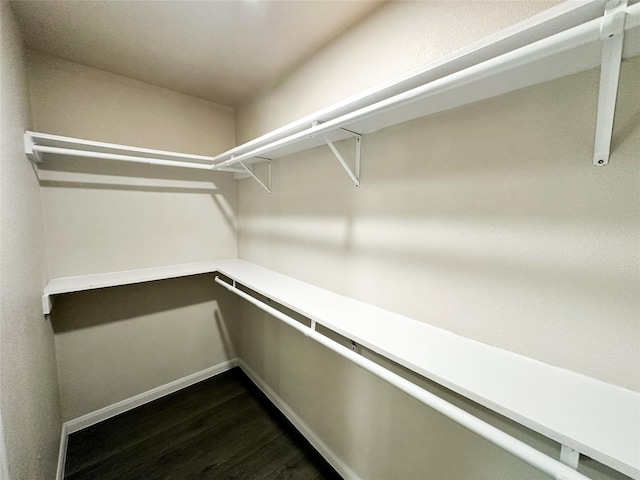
<point>105,216</point>
<point>29,398</point>
<point>118,342</point>
<point>394,39</point>
<point>484,220</point>
<point>487,220</point>
<point>108,216</point>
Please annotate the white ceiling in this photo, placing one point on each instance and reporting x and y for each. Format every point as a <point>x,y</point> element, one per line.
<point>223,50</point>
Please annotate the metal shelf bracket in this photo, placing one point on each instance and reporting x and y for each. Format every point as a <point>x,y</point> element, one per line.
<point>612,36</point>
<point>47,303</point>
<point>355,176</point>
<point>252,175</point>
<point>569,457</point>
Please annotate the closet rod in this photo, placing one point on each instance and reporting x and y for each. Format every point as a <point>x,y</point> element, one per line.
<point>560,42</point>
<point>512,445</point>
<point>128,158</point>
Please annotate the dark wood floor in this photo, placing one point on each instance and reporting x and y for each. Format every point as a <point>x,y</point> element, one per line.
<point>221,428</point>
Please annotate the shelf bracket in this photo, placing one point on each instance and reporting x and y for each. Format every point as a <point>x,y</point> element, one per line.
<point>355,176</point>
<point>47,303</point>
<point>32,155</point>
<point>612,36</point>
<point>569,457</point>
<point>260,182</point>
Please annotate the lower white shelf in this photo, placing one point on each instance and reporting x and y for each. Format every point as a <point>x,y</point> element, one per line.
<point>81,283</point>
<point>595,418</point>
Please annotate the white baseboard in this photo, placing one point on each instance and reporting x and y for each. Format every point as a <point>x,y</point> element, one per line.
<point>120,407</point>
<point>130,403</point>
<point>135,401</point>
<point>62,454</point>
<point>344,471</point>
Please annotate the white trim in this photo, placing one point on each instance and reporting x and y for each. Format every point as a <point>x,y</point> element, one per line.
<point>343,469</point>
<point>130,403</point>
<point>4,466</point>
<point>62,455</point>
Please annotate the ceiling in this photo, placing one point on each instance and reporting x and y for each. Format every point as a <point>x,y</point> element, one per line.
<point>224,50</point>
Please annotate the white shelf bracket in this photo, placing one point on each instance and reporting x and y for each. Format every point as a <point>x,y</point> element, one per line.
<point>32,155</point>
<point>612,36</point>
<point>47,304</point>
<point>355,176</point>
<point>260,182</point>
<point>569,457</point>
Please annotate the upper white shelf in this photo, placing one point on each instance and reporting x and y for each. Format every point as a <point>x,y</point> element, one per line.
<point>37,144</point>
<point>557,19</point>
<point>566,39</point>
<point>561,41</point>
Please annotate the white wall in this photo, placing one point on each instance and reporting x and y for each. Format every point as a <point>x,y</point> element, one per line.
<point>482,220</point>
<point>29,398</point>
<point>487,220</point>
<point>104,216</point>
<point>395,38</point>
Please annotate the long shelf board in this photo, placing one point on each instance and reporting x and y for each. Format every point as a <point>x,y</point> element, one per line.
<point>597,419</point>
<point>544,24</point>
<point>564,40</point>
<point>451,84</point>
<point>81,283</point>
<point>102,147</point>
<point>38,144</point>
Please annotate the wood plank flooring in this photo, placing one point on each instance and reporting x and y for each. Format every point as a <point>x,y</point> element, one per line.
<point>221,428</point>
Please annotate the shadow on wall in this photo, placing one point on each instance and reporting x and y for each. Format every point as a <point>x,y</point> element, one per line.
<point>88,173</point>
<point>476,208</point>
<point>487,220</point>
<point>74,167</point>
<point>92,308</point>
<point>115,343</point>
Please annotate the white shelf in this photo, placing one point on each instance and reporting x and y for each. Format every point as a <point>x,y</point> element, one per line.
<point>552,45</point>
<point>63,285</point>
<point>550,22</point>
<point>37,144</point>
<point>597,419</point>
<point>561,41</point>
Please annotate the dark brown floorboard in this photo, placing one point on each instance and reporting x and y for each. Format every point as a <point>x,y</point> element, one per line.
<point>221,428</point>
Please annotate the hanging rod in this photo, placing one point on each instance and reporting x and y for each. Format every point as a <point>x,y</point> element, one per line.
<point>60,145</point>
<point>568,40</point>
<point>126,158</point>
<point>512,445</point>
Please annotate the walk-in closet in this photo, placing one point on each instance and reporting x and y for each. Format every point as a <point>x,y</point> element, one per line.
<point>320,239</point>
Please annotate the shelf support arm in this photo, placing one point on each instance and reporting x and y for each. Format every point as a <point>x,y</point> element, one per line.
<point>569,457</point>
<point>612,35</point>
<point>355,176</point>
<point>267,188</point>
<point>47,303</point>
